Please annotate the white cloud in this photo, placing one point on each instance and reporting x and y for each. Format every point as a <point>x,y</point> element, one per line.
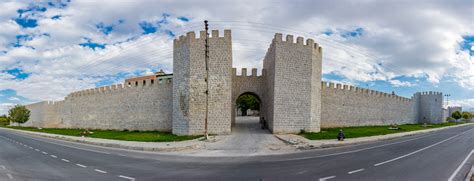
<point>414,39</point>
<point>398,83</point>
<point>466,104</point>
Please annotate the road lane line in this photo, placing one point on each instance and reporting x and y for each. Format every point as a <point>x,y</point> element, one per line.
<point>3,167</point>
<point>352,151</point>
<point>460,166</point>
<point>327,178</point>
<point>125,177</point>
<point>10,176</point>
<point>355,171</point>
<point>37,150</point>
<point>65,160</point>
<point>44,153</point>
<point>403,156</point>
<point>54,156</point>
<point>101,171</point>
<point>83,166</point>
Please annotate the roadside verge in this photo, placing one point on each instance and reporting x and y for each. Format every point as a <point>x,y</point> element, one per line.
<point>304,143</point>
<point>131,145</point>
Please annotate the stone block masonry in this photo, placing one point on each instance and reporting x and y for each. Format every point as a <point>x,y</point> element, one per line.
<point>345,106</point>
<point>140,106</point>
<point>189,90</point>
<point>294,80</point>
<point>292,95</point>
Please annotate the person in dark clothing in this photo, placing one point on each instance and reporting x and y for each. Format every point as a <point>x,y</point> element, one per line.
<point>341,135</point>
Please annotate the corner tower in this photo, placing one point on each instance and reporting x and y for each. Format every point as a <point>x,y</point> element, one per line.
<point>428,107</point>
<point>292,72</point>
<point>189,85</point>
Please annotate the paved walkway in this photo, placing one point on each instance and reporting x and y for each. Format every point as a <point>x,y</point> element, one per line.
<point>247,138</point>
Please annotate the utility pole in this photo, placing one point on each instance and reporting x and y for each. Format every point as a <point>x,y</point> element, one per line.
<point>206,26</point>
<point>447,99</point>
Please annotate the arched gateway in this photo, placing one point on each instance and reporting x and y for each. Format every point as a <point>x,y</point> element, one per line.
<point>289,87</point>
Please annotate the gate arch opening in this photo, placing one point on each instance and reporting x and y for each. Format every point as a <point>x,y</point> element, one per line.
<point>248,107</point>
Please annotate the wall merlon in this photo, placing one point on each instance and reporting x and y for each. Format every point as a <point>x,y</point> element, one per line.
<point>244,71</point>
<point>202,34</point>
<point>310,42</point>
<point>289,39</point>
<point>278,37</point>
<point>227,33</point>
<point>331,85</point>
<point>215,33</point>
<point>299,40</point>
<point>191,36</point>
<point>254,72</point>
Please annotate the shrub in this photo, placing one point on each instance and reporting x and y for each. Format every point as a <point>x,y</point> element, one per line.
<point>466,115</point>
<point>18,114</point>
<point>456,115</point>
<point>3,120</point>
<point>450,119</point>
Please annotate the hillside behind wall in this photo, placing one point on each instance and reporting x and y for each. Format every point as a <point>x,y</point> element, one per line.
<point>344,106</point>
<point>135,107</point>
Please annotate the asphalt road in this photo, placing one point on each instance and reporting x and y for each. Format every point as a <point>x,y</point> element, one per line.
<point>431,156</point>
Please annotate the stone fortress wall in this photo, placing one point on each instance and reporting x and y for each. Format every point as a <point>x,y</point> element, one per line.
<point>345,105</point>
<point>292,95</point>
<point>140,106</point>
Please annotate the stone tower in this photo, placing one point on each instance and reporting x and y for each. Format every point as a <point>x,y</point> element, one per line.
<point>189,86</point>
<point>428,107</point>
<point>292,72</point>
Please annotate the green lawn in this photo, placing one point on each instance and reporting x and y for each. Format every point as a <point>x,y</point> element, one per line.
<point>146,136</point>
<point>363,131</point>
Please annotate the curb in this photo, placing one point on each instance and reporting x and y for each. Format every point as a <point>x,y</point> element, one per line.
<point>470,175</point>
<point>113,145</point>
<point>308,145</point>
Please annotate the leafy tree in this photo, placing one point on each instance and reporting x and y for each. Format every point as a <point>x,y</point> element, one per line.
<point>466,115</point>
<point>246,102</point>
<point>456,115</point>
<point>3,120</point>
<point>18,114</point>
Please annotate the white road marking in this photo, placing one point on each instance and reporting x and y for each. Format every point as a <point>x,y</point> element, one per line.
<point>125,177</point>
<point>45,139</point>
<point>37,150</point>
<point>403,156</point>
<point>352,151</point>
<point>327,178</point>
<point>355,171</point>
<point>83,166</point>
<point>460,166</point>
<point>10,176</point>
<point>304,171</point>
<point>101,171</point>
<point>54,156</point>
<point>3,167</point>
<point>44,153</point>
<point>30,147</point>
<point>65,160</point>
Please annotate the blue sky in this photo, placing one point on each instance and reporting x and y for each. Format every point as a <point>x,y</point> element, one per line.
<point>51,48</point>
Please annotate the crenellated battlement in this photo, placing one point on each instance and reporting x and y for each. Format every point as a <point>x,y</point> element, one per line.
<point>349,88</point>
<point>120,87</point>
<point>278,38</point>
<point>244,72</point>
<point>191,36</point>
<point>429,93</point>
